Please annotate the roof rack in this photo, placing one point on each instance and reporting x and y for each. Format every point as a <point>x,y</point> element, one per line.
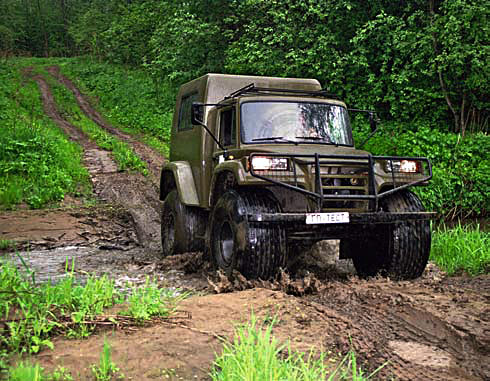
<point>252,89</point>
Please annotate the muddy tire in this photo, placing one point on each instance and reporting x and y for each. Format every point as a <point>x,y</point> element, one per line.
<point>183,227</point>
<point>400,250</point>
<point>236,244</point>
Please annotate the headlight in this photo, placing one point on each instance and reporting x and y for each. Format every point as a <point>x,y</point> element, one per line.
<point>404,166</point>
<point>264,163</point>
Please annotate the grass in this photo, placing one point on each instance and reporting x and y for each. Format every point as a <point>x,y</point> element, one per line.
<point>38,163</point>
<point>122,152</point>
<point>6,244</point>
<point>461,249</point>
<point>106,369</point>
<point>130,98</point>
<point>255,355</point>
<point>33,313</point>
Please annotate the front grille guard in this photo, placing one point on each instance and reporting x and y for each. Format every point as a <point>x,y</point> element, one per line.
<point>317,161</point>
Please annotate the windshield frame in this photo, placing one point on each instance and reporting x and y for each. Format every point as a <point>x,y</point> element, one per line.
<point>299,141</point>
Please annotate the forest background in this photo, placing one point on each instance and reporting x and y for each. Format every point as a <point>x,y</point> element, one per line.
<point>422,65</point>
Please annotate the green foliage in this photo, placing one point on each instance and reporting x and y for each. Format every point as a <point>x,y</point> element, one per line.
<point>106,369</point>
<point>256,355</point>
<point>26,372</point>
<point>122,152</point>
<point>460,185</point>
<point>33,313</point>
<point>461,249</point>
<point>38,164</point>
<point>129,98</point>
<point>149,300</point>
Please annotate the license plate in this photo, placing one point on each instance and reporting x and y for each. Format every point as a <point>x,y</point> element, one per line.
<point>327,218</point>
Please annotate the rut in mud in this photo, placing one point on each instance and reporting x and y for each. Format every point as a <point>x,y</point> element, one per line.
<point>138,195</point>
<point>433,328</point>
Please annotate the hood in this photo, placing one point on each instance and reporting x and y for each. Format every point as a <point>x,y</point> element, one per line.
<point>302,149</point>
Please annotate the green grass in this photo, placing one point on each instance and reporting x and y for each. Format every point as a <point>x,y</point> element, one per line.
<point>255,355</point>
<point>129,98</point>
<point>122,152</point>
<point>461,249</point>
<point>34,313</point>
<point>38,163</point>
<point>106,370</point>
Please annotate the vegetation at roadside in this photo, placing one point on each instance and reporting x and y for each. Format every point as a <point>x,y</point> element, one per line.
<point>32,313</point>
<point>255,354</point>
<point>122,151</point>
<point>460,186</point>
<point>128,97</point>
<point>38,164</point>
<point>106,370</point>
<point>461,249</point>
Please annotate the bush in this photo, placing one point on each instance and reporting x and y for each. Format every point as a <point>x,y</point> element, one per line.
<point>460,185</point>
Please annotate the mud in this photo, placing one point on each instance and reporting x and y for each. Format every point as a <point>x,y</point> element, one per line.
<point>433,328</point>
<point>139,196</point>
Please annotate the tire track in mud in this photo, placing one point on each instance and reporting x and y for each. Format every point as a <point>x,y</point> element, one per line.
<point>133,191</point>
<point>422,330</point>
<point>153,159</point>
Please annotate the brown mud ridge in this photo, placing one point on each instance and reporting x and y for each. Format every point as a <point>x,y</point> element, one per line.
<point>433,328</point>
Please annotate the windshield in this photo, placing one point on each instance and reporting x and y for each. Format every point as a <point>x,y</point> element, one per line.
<point>295,122</point>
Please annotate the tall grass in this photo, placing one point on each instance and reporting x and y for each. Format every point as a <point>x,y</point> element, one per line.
<point>38,164</point>
<point>461,249</point>
<point>256,355</point>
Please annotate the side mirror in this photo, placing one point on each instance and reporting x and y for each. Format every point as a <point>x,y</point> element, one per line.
<point>372,122</point>
<point>197,113</point>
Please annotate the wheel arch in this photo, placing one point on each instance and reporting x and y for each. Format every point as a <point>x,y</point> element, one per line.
<point>178,175</point>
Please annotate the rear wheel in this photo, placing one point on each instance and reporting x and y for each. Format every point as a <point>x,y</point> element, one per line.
<point>399,250</point>
<point>183,226</point>
<point>235,243</point>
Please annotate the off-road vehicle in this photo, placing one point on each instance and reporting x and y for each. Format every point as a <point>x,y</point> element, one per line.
<point>261,168</point>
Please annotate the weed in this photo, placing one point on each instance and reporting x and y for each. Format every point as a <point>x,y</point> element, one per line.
<point>26,372</point>
<point>61,374</point>
<point>256,355</point>
<point>461,248</point>
<point>149,300</point>
<point>106,369</point>
<point>6,244</point>
<point>33,313</point>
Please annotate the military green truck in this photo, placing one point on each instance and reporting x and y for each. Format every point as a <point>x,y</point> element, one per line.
<point>262,168</point>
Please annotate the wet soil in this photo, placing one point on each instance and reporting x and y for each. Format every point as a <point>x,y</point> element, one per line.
<point>433,328</point>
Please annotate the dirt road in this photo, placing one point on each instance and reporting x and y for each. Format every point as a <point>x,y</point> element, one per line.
<point>434,328</point>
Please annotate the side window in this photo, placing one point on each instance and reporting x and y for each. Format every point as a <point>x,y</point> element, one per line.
<point>227,127</point>
<point>185,112</point>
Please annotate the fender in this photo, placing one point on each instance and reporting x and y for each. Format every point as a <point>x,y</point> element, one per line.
<point>233,166</point>
<point>183,180</point>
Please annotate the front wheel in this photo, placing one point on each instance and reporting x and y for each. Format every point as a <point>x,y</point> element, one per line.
<point>235,243</point>
<point>183,227</point>
<point>399,250</point>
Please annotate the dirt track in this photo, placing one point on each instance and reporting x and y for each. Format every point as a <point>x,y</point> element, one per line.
<point>434,328</point>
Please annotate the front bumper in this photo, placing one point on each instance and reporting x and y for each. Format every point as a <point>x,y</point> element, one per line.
<point>360,224</point>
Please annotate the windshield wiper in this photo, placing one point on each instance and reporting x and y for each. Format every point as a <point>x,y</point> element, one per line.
<point>275,138</point>
<point>316,138</point>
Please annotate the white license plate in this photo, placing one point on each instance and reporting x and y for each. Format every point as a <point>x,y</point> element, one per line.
<point>327,218</point>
